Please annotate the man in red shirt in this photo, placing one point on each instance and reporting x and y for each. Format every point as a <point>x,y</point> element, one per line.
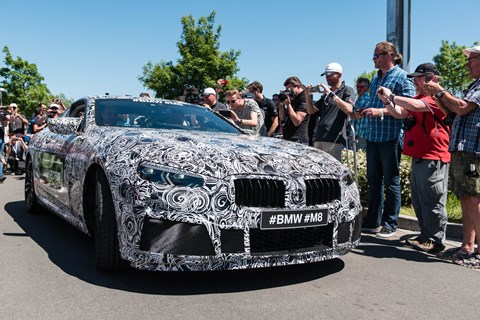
<point>426,141</point>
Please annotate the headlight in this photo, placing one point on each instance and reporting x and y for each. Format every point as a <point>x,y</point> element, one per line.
<point>156,174</point>
<point>347,177</point>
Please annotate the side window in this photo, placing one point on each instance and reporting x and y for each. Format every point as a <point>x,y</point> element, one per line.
<point>77,110</point>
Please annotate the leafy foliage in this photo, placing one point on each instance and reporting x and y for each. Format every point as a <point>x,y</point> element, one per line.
<point>452,64</point>
<point>368,75</point>
<point>454,211</point>
<point>405,173</point>
<point>23,83</point>
<point>201,63</point>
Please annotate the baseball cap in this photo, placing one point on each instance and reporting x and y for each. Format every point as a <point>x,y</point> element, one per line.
<point>54,106</point>
<point>207,91</point>
<point>471,50</point>
<point>333,67</point>
<point>13,105</point>
<point>424,68</point>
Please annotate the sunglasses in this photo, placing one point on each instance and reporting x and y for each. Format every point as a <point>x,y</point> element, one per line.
<point>376,55</point>
<point>361,86</point>
<point>231,101</point>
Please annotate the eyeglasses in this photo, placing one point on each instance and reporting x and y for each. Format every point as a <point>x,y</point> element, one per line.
<point>471,58</point>
<point>230,101</point>
<point>376,55</point>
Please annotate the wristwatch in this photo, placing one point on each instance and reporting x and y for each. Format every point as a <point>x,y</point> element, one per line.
<point>440,94</point>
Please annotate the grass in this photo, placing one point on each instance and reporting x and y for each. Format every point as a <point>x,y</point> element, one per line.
<point>454,211</point>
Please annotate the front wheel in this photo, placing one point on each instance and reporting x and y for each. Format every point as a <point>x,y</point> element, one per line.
<point>31,201</point>
<point>107,252</point>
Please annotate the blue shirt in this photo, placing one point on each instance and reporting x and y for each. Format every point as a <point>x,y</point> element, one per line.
<point>360,125</point>
<point>378,130</point>
<point>465,133</point>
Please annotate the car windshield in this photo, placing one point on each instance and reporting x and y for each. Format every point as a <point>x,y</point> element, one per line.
<point>159,115</point>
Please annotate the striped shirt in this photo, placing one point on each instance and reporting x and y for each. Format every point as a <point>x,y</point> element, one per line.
<point>378,130</point>
<point>465,133</point>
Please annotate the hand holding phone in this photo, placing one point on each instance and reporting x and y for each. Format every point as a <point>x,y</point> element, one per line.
<point>225,113</point>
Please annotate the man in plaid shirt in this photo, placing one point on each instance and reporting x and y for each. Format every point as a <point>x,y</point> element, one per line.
<point>383,149</point>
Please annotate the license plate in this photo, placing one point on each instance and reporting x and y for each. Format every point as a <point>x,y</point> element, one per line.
<point>293,219</point>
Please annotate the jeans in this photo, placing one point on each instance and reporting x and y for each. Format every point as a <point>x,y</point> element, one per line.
<point>383,175</point>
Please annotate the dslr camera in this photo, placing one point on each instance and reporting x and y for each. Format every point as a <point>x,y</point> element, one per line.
<point>409,122</point>
<point>282,96</point>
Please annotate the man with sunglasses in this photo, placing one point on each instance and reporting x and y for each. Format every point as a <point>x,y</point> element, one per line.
<point>245,112</point>
<point>333,108</point>
<point>465,166</point>
<point>363,101</point>
<point>383,149</point>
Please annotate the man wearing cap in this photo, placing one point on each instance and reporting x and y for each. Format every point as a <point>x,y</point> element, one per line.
<point>333,107</point>
<point>53,111</point>
<point>383,149</point>
<point>18,121</point>
<point>426,142</point>
<point>465,166</point>
<point>267,105</point>
<point>210,100</point>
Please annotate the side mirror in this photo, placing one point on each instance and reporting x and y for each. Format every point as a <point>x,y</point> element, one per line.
<point>64,125</point>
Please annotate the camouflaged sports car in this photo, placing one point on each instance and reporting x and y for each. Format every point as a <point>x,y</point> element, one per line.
<point>165,185</point>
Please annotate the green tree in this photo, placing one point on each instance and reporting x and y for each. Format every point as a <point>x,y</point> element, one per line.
<point>23,83</point>
<point>201,63</point>
<point>452,64</point>
<point>365,74</point>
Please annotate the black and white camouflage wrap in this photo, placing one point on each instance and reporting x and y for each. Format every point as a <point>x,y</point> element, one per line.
<point>217,158</point>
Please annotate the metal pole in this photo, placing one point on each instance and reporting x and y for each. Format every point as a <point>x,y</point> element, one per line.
<point>398,28</point>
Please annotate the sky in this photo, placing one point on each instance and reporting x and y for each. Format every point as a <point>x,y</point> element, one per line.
<point>89,47</point>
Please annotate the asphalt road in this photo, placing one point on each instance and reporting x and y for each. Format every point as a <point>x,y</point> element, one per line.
<point>47,272</point>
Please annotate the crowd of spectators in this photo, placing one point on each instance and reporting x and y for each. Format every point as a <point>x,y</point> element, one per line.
<point>16,130</point>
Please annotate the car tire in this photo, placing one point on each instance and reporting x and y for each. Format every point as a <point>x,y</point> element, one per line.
<point>31,201</point>
<point>107,252</point>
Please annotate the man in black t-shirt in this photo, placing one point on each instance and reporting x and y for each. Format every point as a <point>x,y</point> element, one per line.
<point>267,105</point>
<point>293,111</point>
<point>334,106</point>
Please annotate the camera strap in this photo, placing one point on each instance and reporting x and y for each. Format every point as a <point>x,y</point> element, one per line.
<point>435,117</point>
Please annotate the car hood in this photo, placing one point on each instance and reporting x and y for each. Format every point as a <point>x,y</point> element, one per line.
<point>214,154</point>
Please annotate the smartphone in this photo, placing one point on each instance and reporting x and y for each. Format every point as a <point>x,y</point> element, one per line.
<point>318,89</point>
<point>225,113</point>
<point>428,76</point>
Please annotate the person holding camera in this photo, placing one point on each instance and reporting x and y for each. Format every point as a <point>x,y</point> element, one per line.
<point>333,107</point>
<point>383,145</point>
<point>18,121</point>
<point>267,105</point>
<point>292,111</point>
<point>465,166</point>
<point>426,142</point>
<point>245,112</point>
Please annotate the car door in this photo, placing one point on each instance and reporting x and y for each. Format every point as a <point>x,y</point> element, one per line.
<point>50,158</point>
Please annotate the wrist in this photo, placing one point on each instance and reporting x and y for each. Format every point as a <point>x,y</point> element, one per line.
<point>440,94</point>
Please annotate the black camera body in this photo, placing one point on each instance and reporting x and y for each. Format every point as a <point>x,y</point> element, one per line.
<point>409,122</point>
<point>449,118</point>
<point>282,96</point>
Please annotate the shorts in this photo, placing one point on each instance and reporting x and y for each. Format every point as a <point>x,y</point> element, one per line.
<point>465,174</point>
